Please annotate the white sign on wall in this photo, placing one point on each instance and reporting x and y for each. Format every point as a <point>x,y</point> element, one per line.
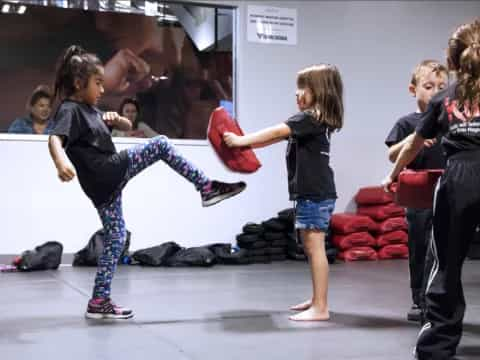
<point>272,25</point>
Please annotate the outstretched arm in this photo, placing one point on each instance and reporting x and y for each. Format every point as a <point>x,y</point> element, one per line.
<point>394,150</point>
<point>407,154</point>
<point>260,138</point>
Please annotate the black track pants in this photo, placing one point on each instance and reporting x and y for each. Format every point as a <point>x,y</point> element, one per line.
<point>419,235</point>
<point>456,215</point>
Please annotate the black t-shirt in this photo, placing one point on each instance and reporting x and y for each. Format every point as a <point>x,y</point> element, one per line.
<point>428,158</point>
<point>88,144</point>
<point>443,116</point>
<point>308,156</point>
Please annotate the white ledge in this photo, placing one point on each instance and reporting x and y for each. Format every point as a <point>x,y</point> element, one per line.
<point>116,140</point>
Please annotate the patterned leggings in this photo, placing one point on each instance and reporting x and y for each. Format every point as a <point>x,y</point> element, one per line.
<point>140,157</point>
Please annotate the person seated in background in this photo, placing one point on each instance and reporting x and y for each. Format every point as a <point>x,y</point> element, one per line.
<point>39,108</point>
<point>130,108</point>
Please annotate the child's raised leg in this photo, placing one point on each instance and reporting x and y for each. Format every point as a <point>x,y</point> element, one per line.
<point>316,309</point>
<point>160,148</point>
<point>101,306</point>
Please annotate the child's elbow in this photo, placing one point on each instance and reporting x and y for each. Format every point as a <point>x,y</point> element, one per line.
<point>51,140</point>
<point>392,156</point>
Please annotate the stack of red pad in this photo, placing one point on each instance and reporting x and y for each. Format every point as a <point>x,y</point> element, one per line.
<point>391,237</point>
<point>377,231</point>
<point>351,235</point>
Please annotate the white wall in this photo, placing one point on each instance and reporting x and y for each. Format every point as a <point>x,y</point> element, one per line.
<point>375,44</point>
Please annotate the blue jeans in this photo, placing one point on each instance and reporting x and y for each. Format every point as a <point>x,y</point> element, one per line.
<point>313,215</point>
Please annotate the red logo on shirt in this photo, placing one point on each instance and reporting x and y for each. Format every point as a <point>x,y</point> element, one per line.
<point>468,113</point>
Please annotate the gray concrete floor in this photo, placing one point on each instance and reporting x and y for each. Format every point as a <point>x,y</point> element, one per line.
<point>226,313</point>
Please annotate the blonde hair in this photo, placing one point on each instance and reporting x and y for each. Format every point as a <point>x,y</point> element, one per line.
<point>326,85</point>
<point>427,66</point>
<point>463,55</point>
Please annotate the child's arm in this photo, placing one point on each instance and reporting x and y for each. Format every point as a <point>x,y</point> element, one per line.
<point>260,138</point>
<point>116,121</point>
<point>407,154</point>
<point>66,172</point>
<point>394,150</point>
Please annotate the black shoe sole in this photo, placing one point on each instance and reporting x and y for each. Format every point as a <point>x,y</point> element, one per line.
<point>98,316</point>
<point>217,199</point>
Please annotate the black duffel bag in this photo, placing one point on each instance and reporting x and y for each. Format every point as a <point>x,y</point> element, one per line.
<point>227,256</point>
<point>89,255</point>
<point>194,256</point>
<point>156,255</point>
<point>44,257</point>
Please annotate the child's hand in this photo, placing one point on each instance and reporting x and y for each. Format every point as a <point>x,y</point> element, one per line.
<point>387,184</point>
<point>232,140</point>
<point>66,172</point>
<point>429,142</point>
<point>111,118</point>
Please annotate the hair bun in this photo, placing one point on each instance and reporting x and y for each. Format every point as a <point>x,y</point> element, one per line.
<point>74,51</point>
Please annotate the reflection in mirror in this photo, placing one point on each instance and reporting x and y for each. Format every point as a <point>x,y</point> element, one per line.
<point>170,62</point>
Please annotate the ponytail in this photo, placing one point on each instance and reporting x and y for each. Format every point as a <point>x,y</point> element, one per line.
<point>463,56</point>
<point>468,89</point>
<point>74,64</point>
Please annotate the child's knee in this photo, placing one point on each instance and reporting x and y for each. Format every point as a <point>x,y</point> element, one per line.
<point>162,140</point>
<point>313,243</point>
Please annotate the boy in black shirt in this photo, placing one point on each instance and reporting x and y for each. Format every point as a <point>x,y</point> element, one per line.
<point>428,78</point>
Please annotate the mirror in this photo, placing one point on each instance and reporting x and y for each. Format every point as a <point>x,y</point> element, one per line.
<point>170,62</point>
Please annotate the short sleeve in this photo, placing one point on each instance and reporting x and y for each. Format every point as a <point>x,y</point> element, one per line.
<point>302,125</point>
<point>397,134</point>
<point>429,125</point>
<point>17,127</point>
<point>66,125</point>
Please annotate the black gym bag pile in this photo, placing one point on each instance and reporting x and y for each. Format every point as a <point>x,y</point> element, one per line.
<point>275,240</point>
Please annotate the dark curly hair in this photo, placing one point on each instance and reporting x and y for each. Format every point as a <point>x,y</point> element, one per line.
<point>75,63</point>
<point>463,55</point>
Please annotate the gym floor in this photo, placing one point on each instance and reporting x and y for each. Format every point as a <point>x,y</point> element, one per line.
<point>220,313</point>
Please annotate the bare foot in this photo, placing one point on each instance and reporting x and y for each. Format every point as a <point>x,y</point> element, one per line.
<point>303,306</point>
<point>312,314</point>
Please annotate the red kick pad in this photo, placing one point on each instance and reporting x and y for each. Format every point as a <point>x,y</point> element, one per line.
<point>373,195</point>
<point>236,159</point>
<point>398,251</point>
<point>392,224</point>
<point>415,189</point>
<point>358,254</point>
<point>344,242</point>
<point>347,223</point>
<point>381,212</point>
<point>394,237</point>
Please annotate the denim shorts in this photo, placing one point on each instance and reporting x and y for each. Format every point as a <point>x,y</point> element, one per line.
<point>313,215</point>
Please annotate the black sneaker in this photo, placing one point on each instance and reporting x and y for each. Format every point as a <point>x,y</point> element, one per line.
<point>414,314</point>
<point>106,309</point>
<point>220,191</point>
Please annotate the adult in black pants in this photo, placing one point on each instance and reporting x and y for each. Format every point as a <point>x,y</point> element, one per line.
<point>454,113</point>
